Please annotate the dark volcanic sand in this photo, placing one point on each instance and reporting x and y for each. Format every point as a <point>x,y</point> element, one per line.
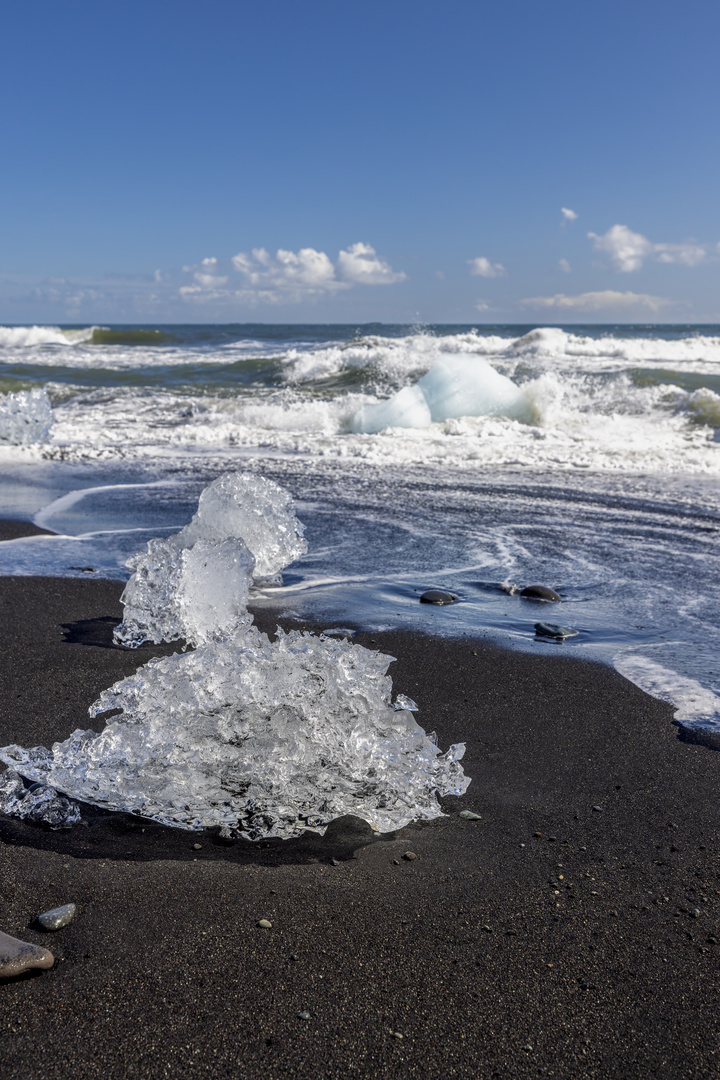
<point>479,953</point>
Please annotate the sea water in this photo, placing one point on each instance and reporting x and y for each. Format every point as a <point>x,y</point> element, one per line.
<point>598,476</point>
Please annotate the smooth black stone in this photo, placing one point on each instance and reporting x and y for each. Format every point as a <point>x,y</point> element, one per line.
<point>552,630</point>
<point>539,592</point>
<point>437,596</point>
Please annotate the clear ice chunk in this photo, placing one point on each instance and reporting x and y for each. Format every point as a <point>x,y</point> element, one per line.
<point>25,417</point>
<point>259,738</point>
<point>255,737</point>
<point>194,585</point>
<point>255,509</point>
<point>197,593</point>
<point>38,802</point>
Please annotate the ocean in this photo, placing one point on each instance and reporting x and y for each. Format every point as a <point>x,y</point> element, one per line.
<point>605,487</point>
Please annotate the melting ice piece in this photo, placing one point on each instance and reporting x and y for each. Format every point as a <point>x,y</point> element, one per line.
<point>454,386</point>
<point>194,585</point>
<point>36,803</point>
<point>25,417</point>
<point>197,593</point>
<point>261,738</point>
<point>253,508</point>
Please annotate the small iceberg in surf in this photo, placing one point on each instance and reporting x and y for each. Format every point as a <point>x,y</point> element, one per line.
<point>454,386</point>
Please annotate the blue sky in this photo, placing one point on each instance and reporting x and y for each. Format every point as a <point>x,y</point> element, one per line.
<point>408,160</point>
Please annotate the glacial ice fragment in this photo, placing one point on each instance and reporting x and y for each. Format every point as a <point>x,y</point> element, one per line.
<point>255,737</point>
<point>265,739</point>
<point>253,508</point>
<point>194,585</point>
<point>453,387</point>
<point>25,417</point>
<point>38,802</point>
<point>194,593</point>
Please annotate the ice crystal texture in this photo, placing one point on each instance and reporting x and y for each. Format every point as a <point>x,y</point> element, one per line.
<point>265,739</point>
<point>195,593</point>
<point>257,737</point>
<point>195,584</point>
<point>255,509</point>
<point>38,802</point>
<point>25,417</point>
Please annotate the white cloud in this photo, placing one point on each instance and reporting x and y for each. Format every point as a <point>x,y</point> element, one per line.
<point>294,276</point>
<point>608,299</point>
<point>482,267</point>
<point>685,254</point>
<point>565,266</point>
<point>206,280</point>
<point>569,215</point>
<point>628,250</point>
<point>308,271</point>
<point>360,265</point>
<point>482,306</point>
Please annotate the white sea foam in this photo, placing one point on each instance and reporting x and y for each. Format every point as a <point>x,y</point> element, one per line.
<point>694,704</point>
<point>23,337</point>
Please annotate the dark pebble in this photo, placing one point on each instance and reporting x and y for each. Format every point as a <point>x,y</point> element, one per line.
<point>410,856</point>
<point>437,596</point>
<point>553,630</point>
<point>539,592</point>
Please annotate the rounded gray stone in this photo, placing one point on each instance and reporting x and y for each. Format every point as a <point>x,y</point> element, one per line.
<point>58,917</point>
<point>540,592</point>
<point>437,596</point>
<point>18,956</point>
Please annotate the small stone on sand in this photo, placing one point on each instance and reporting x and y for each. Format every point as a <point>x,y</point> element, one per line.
<point>410,856</point>
<point>470,815</point>
<point>539,592</point>
<point>197,847</point>
<point>265,924</point>
<point>437,596</point>
<point>58,917</point>
<point>18,956</point>
<point>303,1016</point>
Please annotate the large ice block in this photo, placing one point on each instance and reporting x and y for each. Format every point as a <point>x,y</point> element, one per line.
<point>266,739</point>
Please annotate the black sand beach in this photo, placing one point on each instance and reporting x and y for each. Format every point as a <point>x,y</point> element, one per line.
<point>549,938</point>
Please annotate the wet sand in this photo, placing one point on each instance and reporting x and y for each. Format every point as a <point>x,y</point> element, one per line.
<point>497,952</point>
